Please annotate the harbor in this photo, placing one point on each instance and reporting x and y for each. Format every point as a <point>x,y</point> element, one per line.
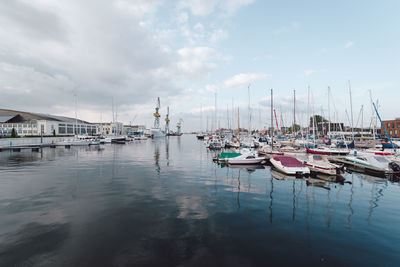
<point>165,202</point>
<point>199,133</point>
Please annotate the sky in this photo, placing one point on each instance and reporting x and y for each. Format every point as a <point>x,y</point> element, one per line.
<point>94,53</point>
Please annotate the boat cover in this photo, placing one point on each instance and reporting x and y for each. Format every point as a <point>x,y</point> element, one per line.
<point>229,155</point>
<point>289,161</point>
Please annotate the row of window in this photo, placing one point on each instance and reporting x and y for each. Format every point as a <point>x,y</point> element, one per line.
<point>19,131</point>
<point>393,125</point>
<point>17,125</point>
<point>391,132</point>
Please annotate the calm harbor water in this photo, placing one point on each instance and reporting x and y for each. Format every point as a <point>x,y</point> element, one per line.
<point>164,203</point>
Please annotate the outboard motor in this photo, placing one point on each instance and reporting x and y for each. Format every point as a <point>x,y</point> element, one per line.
<point>394,166</point>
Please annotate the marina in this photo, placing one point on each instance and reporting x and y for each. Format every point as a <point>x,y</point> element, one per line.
<point>199,133</point>
<point>165,202</point>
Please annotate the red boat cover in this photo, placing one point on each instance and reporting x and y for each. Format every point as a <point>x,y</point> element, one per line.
<point>289,161</point>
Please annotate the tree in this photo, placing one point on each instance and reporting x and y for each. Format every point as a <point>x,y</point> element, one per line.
<point>296,128</point>
<point>13,133</point>
<point>318,119</point>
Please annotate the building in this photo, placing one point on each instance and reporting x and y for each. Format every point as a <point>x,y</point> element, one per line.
<point>392,127</point>
<point>31,124</point>
<point>131,129</point>
<point>111,128</point>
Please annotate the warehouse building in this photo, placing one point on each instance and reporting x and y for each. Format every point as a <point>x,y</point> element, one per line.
<point>26,123</point>
<point>392,127</point>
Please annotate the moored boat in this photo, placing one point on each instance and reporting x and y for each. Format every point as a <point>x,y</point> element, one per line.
<point>290,166</point>
<point>319,164</point>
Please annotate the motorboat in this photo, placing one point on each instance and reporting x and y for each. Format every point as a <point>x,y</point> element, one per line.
<point>245,157</point>
<point>327,151</point>
<point>373,163</point>
<point>290,166</point>
<point>200,136</point>
<point>139,137</point>
<point>291,149</point>
<point>215,144</point>
<point>269,152</point>
<point>320,164</point>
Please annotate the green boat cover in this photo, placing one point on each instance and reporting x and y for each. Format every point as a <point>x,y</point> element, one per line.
<point>225,155</point>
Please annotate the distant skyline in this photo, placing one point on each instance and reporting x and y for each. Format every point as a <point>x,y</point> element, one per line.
<point>131,52</point>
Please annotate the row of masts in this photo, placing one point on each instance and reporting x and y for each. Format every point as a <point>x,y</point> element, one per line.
<point>295,128</point>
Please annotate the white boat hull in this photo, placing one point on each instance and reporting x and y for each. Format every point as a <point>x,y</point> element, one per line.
<point>290,170</point>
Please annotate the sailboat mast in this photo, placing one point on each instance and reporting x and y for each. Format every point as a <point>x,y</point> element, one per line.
<point>329,112</point>
<point>294,112</point>
<point>372,114</point>
<point>313,119</point>
<point>215,113</point>
<point>272,120</point>
<point>201,117</point>
<point>308,111</point>
<point>76,114</point>
<point>351,112</point>
<point>227,116</point>
<point>362,120</point>
<point>238,127</point>
<point>248,92</point>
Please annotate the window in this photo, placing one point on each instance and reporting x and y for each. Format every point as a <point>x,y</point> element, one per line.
<point>61,129</point>
<point>388,125</point>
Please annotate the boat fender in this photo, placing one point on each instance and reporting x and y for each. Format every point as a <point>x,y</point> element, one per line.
<point>394,166</point>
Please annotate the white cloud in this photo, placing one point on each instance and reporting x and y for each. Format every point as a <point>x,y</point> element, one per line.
<point>197,62</point>
<point>349,44</point>
<point>309,72</point>
<point>218,35</point>
<point>211,88</point>
<point>207,7</point>
<point>244,79</point>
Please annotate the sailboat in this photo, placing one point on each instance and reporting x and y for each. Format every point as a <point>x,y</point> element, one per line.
<point>268,150</point>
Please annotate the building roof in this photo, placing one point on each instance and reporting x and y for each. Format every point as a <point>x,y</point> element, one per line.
<point>27,116</point>
<point>6,117</point>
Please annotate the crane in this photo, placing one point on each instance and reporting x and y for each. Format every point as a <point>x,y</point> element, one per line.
<point>179,126</point>
<point>157,115</point>
<point>167,120</point>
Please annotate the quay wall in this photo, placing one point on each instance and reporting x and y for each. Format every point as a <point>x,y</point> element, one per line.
<point>32,141</point>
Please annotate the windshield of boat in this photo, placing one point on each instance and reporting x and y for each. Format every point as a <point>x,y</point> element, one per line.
<point>317,157</point>
<point>381,159</point>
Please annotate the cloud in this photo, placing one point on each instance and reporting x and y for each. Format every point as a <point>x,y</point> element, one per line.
<point>197,62</point>
<point>244,79</point>
<point>349,44</point>
<point>309,72</point>
<point>100,50</point>
<point>205,8</point>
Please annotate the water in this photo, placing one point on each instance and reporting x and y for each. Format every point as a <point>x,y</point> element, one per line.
<point>158,203</point>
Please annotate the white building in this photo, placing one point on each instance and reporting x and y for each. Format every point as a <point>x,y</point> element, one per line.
<point>131,129</point>
<point>111,128</point>
<point>25,123</point>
